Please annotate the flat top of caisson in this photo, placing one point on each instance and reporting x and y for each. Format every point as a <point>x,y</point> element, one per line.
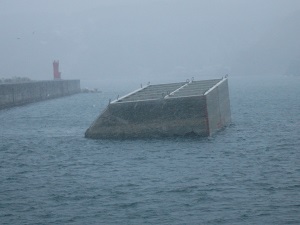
<point>171,90</point>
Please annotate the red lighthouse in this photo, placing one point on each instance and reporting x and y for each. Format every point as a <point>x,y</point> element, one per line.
<point>56,73</point>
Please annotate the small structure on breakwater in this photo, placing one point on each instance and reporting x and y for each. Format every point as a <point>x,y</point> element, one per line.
<point>177,109</point>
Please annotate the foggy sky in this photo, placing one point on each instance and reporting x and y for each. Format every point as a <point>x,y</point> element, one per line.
<point>117,41</point>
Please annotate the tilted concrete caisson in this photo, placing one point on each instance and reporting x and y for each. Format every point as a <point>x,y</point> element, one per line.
<point>176,109</point>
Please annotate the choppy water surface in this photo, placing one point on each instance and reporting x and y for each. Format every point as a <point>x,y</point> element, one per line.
<point>248,173</point>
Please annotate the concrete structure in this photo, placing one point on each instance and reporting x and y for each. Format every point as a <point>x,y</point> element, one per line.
<point>178,109</point>
<point>14,94</point>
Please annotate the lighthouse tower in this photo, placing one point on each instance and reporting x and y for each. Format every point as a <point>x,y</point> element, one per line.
<point>56,73</point>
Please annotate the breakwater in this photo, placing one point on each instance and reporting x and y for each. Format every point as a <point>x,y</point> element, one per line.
<point>14,94</point>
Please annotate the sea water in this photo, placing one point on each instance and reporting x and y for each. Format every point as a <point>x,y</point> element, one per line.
<point>248,173</point>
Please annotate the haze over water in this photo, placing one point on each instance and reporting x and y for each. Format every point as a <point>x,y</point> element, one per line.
<point>109,43</point>
<point>247,173</point>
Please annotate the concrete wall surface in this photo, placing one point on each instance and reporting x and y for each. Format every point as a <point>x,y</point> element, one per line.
<point>153,118</point>
<point>22,93</point>
<point>218,107</point>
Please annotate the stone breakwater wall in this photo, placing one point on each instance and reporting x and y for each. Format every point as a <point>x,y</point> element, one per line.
<point>15,94</point>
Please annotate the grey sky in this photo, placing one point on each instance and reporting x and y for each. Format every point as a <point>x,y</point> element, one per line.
<point>157,40</point>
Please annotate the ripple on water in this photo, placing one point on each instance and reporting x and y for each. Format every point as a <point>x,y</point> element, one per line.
<point>245,174</point>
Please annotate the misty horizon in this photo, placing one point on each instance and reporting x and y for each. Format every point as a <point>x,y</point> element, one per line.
<point>138,41</point>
